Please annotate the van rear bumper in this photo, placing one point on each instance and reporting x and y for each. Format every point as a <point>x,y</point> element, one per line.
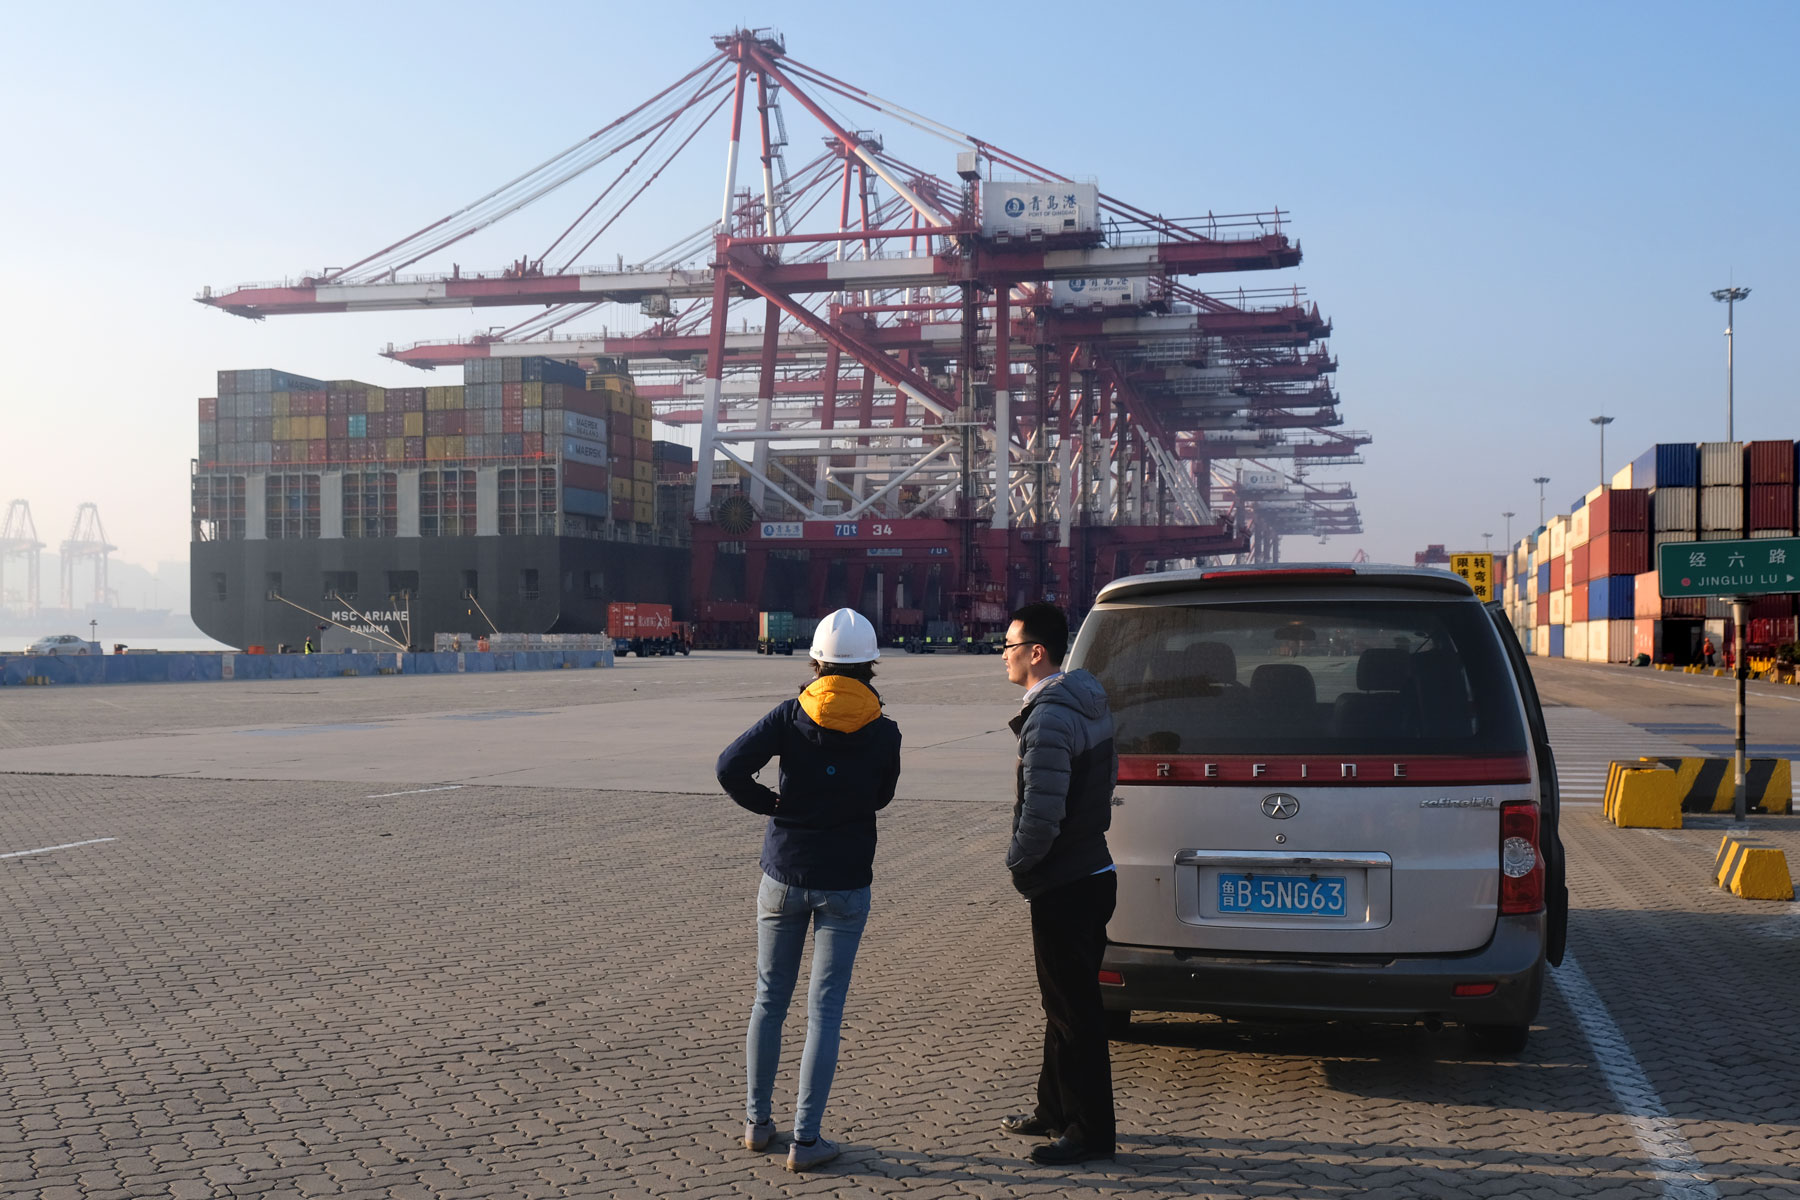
<point>1400,988</point>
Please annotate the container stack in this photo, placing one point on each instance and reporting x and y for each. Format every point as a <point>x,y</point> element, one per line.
<point>633,488</point>
<point>1585,585</point>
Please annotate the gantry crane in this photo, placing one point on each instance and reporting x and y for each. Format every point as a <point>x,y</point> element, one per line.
<point>86,542</point>
<point>19,539</point>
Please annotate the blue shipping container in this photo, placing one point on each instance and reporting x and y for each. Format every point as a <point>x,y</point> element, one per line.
<point>1543,578</point>
<point>1556,641</point>
<point>1610,597</point>
<point>581,500</point>
<point>359,425</point>
<point>1667,464</point>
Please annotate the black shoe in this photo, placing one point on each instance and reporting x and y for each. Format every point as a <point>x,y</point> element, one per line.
<point>1064,1151</point>
<point>1029,1126</point>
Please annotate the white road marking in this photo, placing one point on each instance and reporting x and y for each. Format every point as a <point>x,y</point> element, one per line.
<point>1672,1160</point>
<point>414,792</point>
<point>64,846</point>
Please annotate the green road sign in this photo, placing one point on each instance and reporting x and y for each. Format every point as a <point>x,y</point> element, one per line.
<point>1752,567</point>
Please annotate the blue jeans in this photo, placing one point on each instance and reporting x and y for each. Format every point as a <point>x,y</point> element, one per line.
<point>782,915</point>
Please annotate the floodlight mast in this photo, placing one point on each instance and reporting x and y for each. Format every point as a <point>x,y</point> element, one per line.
<point>1730,296</point>
<point>1602,422</point>
<point>1541,480</point>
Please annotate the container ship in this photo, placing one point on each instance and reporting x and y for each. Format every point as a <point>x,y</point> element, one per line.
<point>527,499</point>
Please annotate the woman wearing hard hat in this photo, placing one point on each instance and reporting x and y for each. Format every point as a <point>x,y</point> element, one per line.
<point>840,763</point>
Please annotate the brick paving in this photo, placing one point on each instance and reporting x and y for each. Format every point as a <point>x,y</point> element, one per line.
<point>290,989</point>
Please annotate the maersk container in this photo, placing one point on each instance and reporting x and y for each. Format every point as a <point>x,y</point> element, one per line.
<point>581,450</point>
<point>1722,508</point>
<point>1021,209</point>
<point>1771,462</point>
<point>1721,464</point>
<point>1673,509</point>
<point>582,425</point>
<point>1668,464</point>
<point>1610,597</point>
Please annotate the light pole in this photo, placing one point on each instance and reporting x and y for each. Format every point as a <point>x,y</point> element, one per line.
<point>1602,422</point>
<point>1509,517</point>
<point>1487,543</point>
<point>1730,295</point>
<point>1541,480</point>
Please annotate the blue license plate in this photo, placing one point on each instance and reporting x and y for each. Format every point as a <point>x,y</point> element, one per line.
<point>1282,895</point>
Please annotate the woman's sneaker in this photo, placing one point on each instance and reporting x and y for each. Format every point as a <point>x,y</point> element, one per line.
<point>805,1158</point>
<point>758,1134</point>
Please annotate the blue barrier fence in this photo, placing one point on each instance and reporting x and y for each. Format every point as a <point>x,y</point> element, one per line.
<point>195,668</point>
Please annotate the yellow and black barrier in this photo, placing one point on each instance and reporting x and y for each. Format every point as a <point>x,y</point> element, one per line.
<point>1753,870</point>
<point>1641,796</point>
<point>1710,784</point>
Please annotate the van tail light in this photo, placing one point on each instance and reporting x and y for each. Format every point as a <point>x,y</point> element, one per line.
<point>1112,979</point>
<point>1521,859</point>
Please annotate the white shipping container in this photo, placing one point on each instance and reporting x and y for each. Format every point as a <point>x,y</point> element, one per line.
<point>1722,508</point>
<point>1721,464</point>
<point>1768,533</point>
<point>1559,533</point>
<point>1622,477</point>
<point>1559,607</point>
<point>1720,535</point>
<point>1578,527</point>
<point>583,426</point>
<point>1594,493</point>
<point>581,450</point>
<point>1022,208</point>
<point>1084,293</point>
<point>1609,641</point>
<point>1575,641</point>
<point>1673,508</point>
<point>1540,641</point>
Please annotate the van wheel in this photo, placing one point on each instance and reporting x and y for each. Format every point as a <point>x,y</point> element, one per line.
<point>1118,1024</point>
<point>1500,1039</point>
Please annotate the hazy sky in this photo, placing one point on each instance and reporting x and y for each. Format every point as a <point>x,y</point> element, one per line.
<point>1512,213</point>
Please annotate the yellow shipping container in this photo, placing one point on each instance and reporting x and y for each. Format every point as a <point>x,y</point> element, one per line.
<point>396,449</point>
<point>643,512</point>
<point>454,399</point>
<point>280,403</point>
<point>278,428</point>
<point>434,400</point>
<point>640,427</point>
<point>534,394</point>
<point>620,486</point>
<point>315,429</point>
<point>377,400</point>
<point>640,407</point>
<point>414,424</point>
<point>643,472</point>
<point>643,493</point>
<point>453,446</point>
<point>297,450</point>
<point>434,447</point>
<point>621,403</point>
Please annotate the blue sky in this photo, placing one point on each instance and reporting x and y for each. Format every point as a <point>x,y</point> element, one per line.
<point>1513,214</point>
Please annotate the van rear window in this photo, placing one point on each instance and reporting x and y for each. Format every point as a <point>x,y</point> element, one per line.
<point>1304,677</point>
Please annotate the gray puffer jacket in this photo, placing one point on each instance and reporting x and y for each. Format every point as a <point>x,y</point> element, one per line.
<point>1067,771</point>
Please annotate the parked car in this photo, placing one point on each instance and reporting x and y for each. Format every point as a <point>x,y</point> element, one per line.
<point>63,643</point>
<point>1305,832</point>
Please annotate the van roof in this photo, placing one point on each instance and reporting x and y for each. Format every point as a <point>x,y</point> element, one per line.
<point>1428,579</point>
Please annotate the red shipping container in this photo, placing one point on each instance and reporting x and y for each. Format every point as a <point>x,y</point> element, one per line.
<point>1768,607</point>
<point>593,404</point>
<point>1771,504</point>
<point>1646,600</point>
<point>512,420</point>
<point>1771,462</point>
<point>534,444</point>
<point>640,449</point>
<point>358,402</point>
<point>415,447</point>
<point>337,404</point>
<point>621,510</point>
<point>1578,601</point>
<point>209,409</point>
<point>456,422</point>
<point>1543,610</point>
<point>1684,606</point>
<point>1578,563</point>
<point>1557,572</point>
<point>724,610</point>
<point>584,475</point>
<point>654,620</point>
<point>1619,509</point>
<point>621,446</point>
<point>435,424</point>
<point>315,450</point>
<point>512,395</point>
<point>1619,553</point>
<point>414,401</point>
<point>621,620</point>
<point>280,453</point>
<point>337,427</point>
<point>337,450</point>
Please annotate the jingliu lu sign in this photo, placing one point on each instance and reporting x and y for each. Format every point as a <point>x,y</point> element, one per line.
<point>1748,567</point>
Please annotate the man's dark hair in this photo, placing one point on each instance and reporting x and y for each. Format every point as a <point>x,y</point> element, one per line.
<point>1046,625</point>
<point>861,672</point>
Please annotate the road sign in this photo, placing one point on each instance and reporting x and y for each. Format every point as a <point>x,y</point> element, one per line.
<point>1750,567</point>
<point>1477,570</point>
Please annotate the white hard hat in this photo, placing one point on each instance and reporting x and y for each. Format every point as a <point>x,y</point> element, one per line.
<point>845,637</point>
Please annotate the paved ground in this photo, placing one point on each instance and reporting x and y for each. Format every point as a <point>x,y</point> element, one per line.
<point>312,985</point>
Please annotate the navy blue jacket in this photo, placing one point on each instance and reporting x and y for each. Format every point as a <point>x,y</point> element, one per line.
<point>1067,771</point>
<point>840,764</point>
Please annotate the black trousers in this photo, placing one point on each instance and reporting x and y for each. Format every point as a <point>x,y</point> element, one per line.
<point>1068,935</point>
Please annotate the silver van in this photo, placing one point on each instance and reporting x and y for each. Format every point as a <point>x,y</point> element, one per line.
<point>1336,800</point>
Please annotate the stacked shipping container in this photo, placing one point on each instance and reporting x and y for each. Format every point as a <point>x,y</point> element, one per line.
<point>1586,582</point>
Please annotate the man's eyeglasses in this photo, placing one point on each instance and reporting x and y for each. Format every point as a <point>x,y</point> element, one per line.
<point>1005,646</point>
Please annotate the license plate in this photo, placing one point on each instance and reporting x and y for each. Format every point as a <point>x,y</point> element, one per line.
<point>1282,895</point>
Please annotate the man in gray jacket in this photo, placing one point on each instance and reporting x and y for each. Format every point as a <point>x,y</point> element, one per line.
<point>1060,863</point>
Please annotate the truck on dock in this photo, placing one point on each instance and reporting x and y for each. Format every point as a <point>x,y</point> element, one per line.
<point>775,633</point>
<point>646,630</point>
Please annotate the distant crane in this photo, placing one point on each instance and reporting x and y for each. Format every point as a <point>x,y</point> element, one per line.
<point>86,540</point>
<point>19,539</point>
<point>1361,556</point>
